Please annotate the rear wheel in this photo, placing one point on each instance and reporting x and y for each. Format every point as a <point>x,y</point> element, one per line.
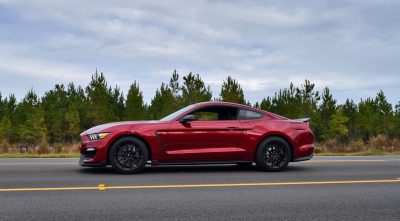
<point>128,155</point>
<point>273,154</point>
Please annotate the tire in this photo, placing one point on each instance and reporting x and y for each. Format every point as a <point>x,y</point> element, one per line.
<point>273,154</point>
<point>128,155</point>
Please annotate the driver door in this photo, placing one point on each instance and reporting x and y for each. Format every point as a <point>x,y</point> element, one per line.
<point>216,134</point>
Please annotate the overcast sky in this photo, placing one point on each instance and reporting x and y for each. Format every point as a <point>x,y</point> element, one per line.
<point>353,47</point>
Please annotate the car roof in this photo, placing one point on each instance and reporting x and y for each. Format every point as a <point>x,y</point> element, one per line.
<point>222,103</point>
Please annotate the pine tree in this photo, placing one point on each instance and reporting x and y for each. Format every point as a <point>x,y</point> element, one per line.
<point>286,103</point>
<point>10,104</point>
<point>99,101</point>
<point>33,131</point>
<point>337,124</point>
<point>72,122</point>
<point>23,110</point>
<point>175,88</point>
<point>396,120</point>
<point>328,105</point>
<point>256,105</point>
<point>118,103</point>
<point>323,120</point>
<point>135,109</point>
<point>384,123</point>
<point>231,91</point>
<point>349,109</point>
<point>365,118</point>
<point>5,128</point>
<point>2,108</point>
<point>77,95</point>
<point>194,90</point>
<point>54,104</point>
<point>163,103</point>
<point>8,129</point>
<point>174,84</point>
<point>266,104</point>
<point>309,98</point>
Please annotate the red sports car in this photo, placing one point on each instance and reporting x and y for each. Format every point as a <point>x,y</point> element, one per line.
<point>210,132</point>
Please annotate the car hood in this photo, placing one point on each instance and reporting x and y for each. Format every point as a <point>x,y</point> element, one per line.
<point>101,127</point>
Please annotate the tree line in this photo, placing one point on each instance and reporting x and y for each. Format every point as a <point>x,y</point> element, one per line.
<point>66,110</point>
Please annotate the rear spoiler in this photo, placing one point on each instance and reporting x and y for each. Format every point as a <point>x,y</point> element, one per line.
<point>305,120</point>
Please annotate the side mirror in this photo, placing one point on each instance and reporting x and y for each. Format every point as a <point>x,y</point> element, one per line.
<point>187,118</point>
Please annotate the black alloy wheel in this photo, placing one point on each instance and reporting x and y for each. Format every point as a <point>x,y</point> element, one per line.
<point>128,155</point>
<point>273,154</point>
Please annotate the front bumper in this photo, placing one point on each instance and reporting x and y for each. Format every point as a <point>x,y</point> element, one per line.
<point>83,161</point>
<point>93,152</point>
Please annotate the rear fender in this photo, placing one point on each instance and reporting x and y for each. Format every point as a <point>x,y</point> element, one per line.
<point>277,134</point>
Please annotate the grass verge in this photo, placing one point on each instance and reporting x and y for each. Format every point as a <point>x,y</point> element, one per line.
<point>28,155</point>
<point>76,155</point>
<point>363,153</point>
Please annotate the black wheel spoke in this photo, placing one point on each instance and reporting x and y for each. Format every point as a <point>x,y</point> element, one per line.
<point>275,155</point>
<point>128,155</point>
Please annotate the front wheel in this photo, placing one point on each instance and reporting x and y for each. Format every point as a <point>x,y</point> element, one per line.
<point>128,155</point>
<point>273,154</point>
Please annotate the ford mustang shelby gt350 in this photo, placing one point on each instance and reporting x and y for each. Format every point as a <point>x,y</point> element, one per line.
<point>209,132</point>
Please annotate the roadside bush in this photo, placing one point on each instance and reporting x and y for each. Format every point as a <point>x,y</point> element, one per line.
<point>332,145</point>
<point>43,148</point>
<point>58,147</point>
<point>396,144</point>
<point>4,146</point>
<point>357,145</point>
<point>72,148</point>
<point>33,150</point>
<point>381,142</point>
<point>319,149</point>
<point>376,145</point>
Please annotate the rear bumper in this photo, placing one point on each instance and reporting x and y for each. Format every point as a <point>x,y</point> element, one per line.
<point>305,152</point>
<point>304,158</point>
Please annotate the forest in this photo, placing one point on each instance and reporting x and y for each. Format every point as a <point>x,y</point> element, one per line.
<point>55,120</point>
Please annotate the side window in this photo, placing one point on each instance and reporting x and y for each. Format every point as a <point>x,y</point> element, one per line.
<point>249,115</point>
<point>205,115</point>
<point>215,113</point>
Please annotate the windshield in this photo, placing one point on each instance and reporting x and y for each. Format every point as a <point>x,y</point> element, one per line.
<point>177,113</point>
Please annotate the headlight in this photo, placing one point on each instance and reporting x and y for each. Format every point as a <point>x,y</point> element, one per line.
<point>97,136</point>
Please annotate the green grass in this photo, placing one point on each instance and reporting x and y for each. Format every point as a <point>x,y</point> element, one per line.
<point>28,155</point>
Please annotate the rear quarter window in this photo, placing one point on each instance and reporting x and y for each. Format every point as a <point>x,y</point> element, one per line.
<point>249,115</point>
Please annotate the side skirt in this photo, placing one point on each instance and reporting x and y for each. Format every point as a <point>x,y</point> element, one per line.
<point>156,163</point>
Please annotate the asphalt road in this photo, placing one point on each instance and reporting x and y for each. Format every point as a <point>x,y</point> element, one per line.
<point>325,188</point>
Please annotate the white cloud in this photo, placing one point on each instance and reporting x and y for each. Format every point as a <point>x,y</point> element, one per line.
<point>349,46</point>
<point>39,69</point>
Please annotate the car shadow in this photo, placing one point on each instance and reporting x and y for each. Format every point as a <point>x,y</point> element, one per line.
<point>165,169</point>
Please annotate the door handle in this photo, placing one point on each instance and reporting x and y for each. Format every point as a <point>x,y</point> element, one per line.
<point>232,128</point>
